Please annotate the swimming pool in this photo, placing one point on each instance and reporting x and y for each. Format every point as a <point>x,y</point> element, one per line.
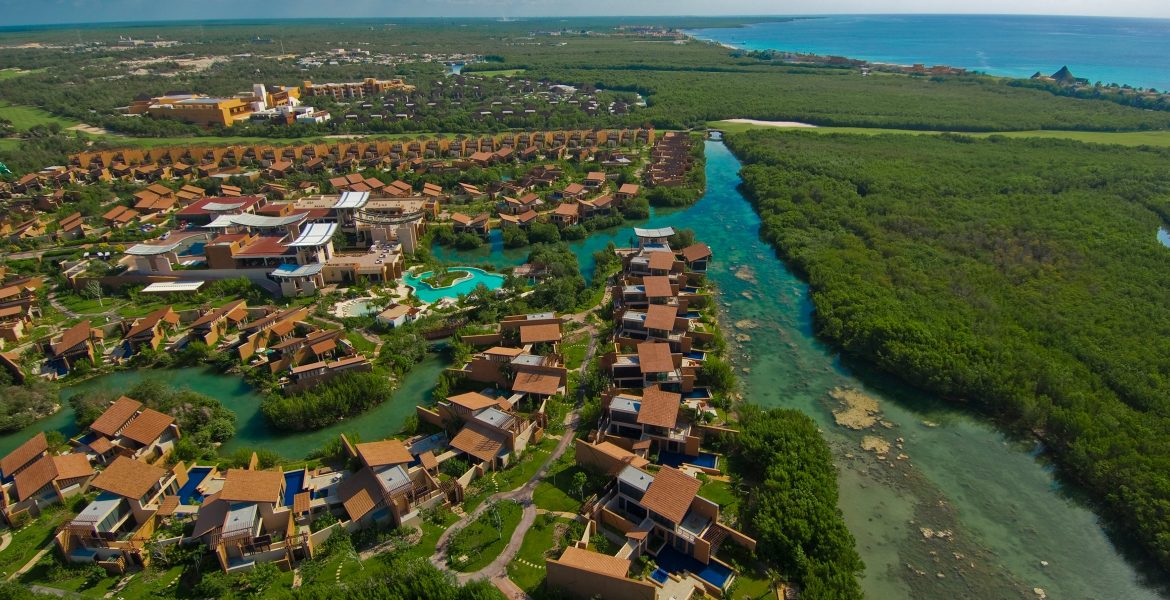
<point>426,293</point>
<point>659,575</point>
<point>674,459</point>
<point>195,249</point>
<point>674,561</point>
<point>294,483</point>
<point>189,493</point>
<point>699,393</point>
<point>695,355</point>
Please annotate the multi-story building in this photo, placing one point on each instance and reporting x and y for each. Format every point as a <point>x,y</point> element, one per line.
<point>355,89</point>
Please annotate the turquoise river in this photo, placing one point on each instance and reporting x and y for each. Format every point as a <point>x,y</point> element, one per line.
<point>954,510</point>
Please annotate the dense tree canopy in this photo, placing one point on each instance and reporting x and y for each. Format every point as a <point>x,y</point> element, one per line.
<point>1023,275</point>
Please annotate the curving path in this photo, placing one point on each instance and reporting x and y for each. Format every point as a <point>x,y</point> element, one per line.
<point>497,571</point>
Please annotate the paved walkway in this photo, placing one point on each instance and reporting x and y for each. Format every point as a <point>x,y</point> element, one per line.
<point>497,571</point>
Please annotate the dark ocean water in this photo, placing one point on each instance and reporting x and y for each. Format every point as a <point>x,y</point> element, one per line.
<point>1110,50</point>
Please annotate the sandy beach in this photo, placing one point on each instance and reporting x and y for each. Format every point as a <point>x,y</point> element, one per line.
<point>770,123</point>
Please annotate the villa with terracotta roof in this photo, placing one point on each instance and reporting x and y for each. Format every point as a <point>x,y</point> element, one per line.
<point>40,482</point>
<point>522,358</point>
<point>477,224</point>
<point>661,515</point>
<point>113,530</point>
<point>78,342</point>
<point>150,330</point>
<point>128,429</point>
<point>215,323</point>
<point>565,214</point>
<point>652,363</point>
<point>390,487</point>
<point>250,520</point>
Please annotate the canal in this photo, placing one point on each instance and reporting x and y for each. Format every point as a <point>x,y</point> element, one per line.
<point>998,521</point>
<point>252,429</point>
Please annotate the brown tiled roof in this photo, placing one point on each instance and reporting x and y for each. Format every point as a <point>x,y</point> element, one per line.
<point>483,444</point>
<point>659,408</point>
<point>128,478</point>
<point>531,334</point>
<point>242,485</point>
<point>101,445</point>
<point>147,426</point>
<point>568,209</point>
<point>661,260</point>
<point>696,252</point>
<point>461,218</point>
<point>116,416</point>
<point>671,493</point>
<point>595,562</point>
<point>34,477</point>
<point>472,401</point>
<point>385,452</point>
<point>655,358</point>
<point>658,286</point>
<point>359,493</point>
<point>661,317</point>
<point>72,337</point>
<point>167,506</point>
<point>24,454</point>
<point>536,383</point>
<point>302,502</point>
<point>628,188</point>
<point>323,346</point>
<point>504,351</point>
<point>428,460</point>
<point>72,466</point>
<point>211,515</point>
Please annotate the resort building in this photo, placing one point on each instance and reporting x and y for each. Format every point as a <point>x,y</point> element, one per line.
<point>390,487</point>
<point>214,324</point>
<point>128,429</point>
<point>79,342</point>
<point>358,89</point>
<point>40,482</point>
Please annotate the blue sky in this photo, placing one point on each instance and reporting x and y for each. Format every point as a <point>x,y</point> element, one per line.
<point>19,12</point>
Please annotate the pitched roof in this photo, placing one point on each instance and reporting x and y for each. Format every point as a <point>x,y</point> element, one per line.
<point>147,426</point>
<point>242,485</point>
<point>71,337</point>
<point>385,452</point>
<point>128,478</point>
<point>72,466</point>
<point>655,357</point>
<point>472,401</point>
<point>211,515</point>
<point>659,408</point>
<point>483,444</point>
<point>116,416</point>
<point>628,188</point>
<point>568,209</point>
<point>168,505</point>
<point>621,454</point>
<point>595,562</point>
<point>661,316</point>
<point>359,493</point>
<point>696,252</point>
<point>428,460</point>
<point>536,383</point>
<point>657,286</point>
<point>302,502</point>
<point>671,493</point>
<point>34,477</point>
<point>548,332</point>
<point>660,260</point>
<point>24,454</point>
<point>101,445</point>
<point>504,351</point>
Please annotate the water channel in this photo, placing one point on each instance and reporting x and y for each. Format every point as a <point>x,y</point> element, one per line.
<point>997,507</point>
<point>999,523</point>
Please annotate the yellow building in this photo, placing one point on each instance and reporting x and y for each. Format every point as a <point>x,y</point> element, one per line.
<point>203,110</point>
<point>356,89</point>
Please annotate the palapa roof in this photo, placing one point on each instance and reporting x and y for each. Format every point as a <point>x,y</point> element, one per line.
<point>655,357</point>
<point>659,408</point>
<point>385,452</point>
<point>116,416</point>
<point>242,485</point>
<point>128,478</point>
<point>671,493</point>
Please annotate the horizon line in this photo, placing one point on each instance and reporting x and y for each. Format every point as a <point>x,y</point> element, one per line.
<point>114,23</point>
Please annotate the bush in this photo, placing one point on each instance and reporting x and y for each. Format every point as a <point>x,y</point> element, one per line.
<point>515,237</point>
<point>468,241</point>
<point>343,396</point>
<point>543,233</point>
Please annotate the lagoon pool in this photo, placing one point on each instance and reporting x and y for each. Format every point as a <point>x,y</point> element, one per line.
<point>426,293</point>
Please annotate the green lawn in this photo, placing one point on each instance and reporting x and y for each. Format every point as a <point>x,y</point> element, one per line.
<point>538,543</point>
<point>556,492</point>
<point>361,343</point>
<point>720,493</point>
<point>516,475</point>
<point>28,540</point>
<point>151,583</point>
<point>482,540</point>
<point>575,352</point>
<point>14,73</point>
<point>52,572</point>
<point>89,306</point>
<point>25,117</point>
<point>1123,138</point>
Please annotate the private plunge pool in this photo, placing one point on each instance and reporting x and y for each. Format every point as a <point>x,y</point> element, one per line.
<point>473,278</point>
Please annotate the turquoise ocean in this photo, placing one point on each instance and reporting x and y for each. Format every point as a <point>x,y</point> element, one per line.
<point>1109,50</point>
